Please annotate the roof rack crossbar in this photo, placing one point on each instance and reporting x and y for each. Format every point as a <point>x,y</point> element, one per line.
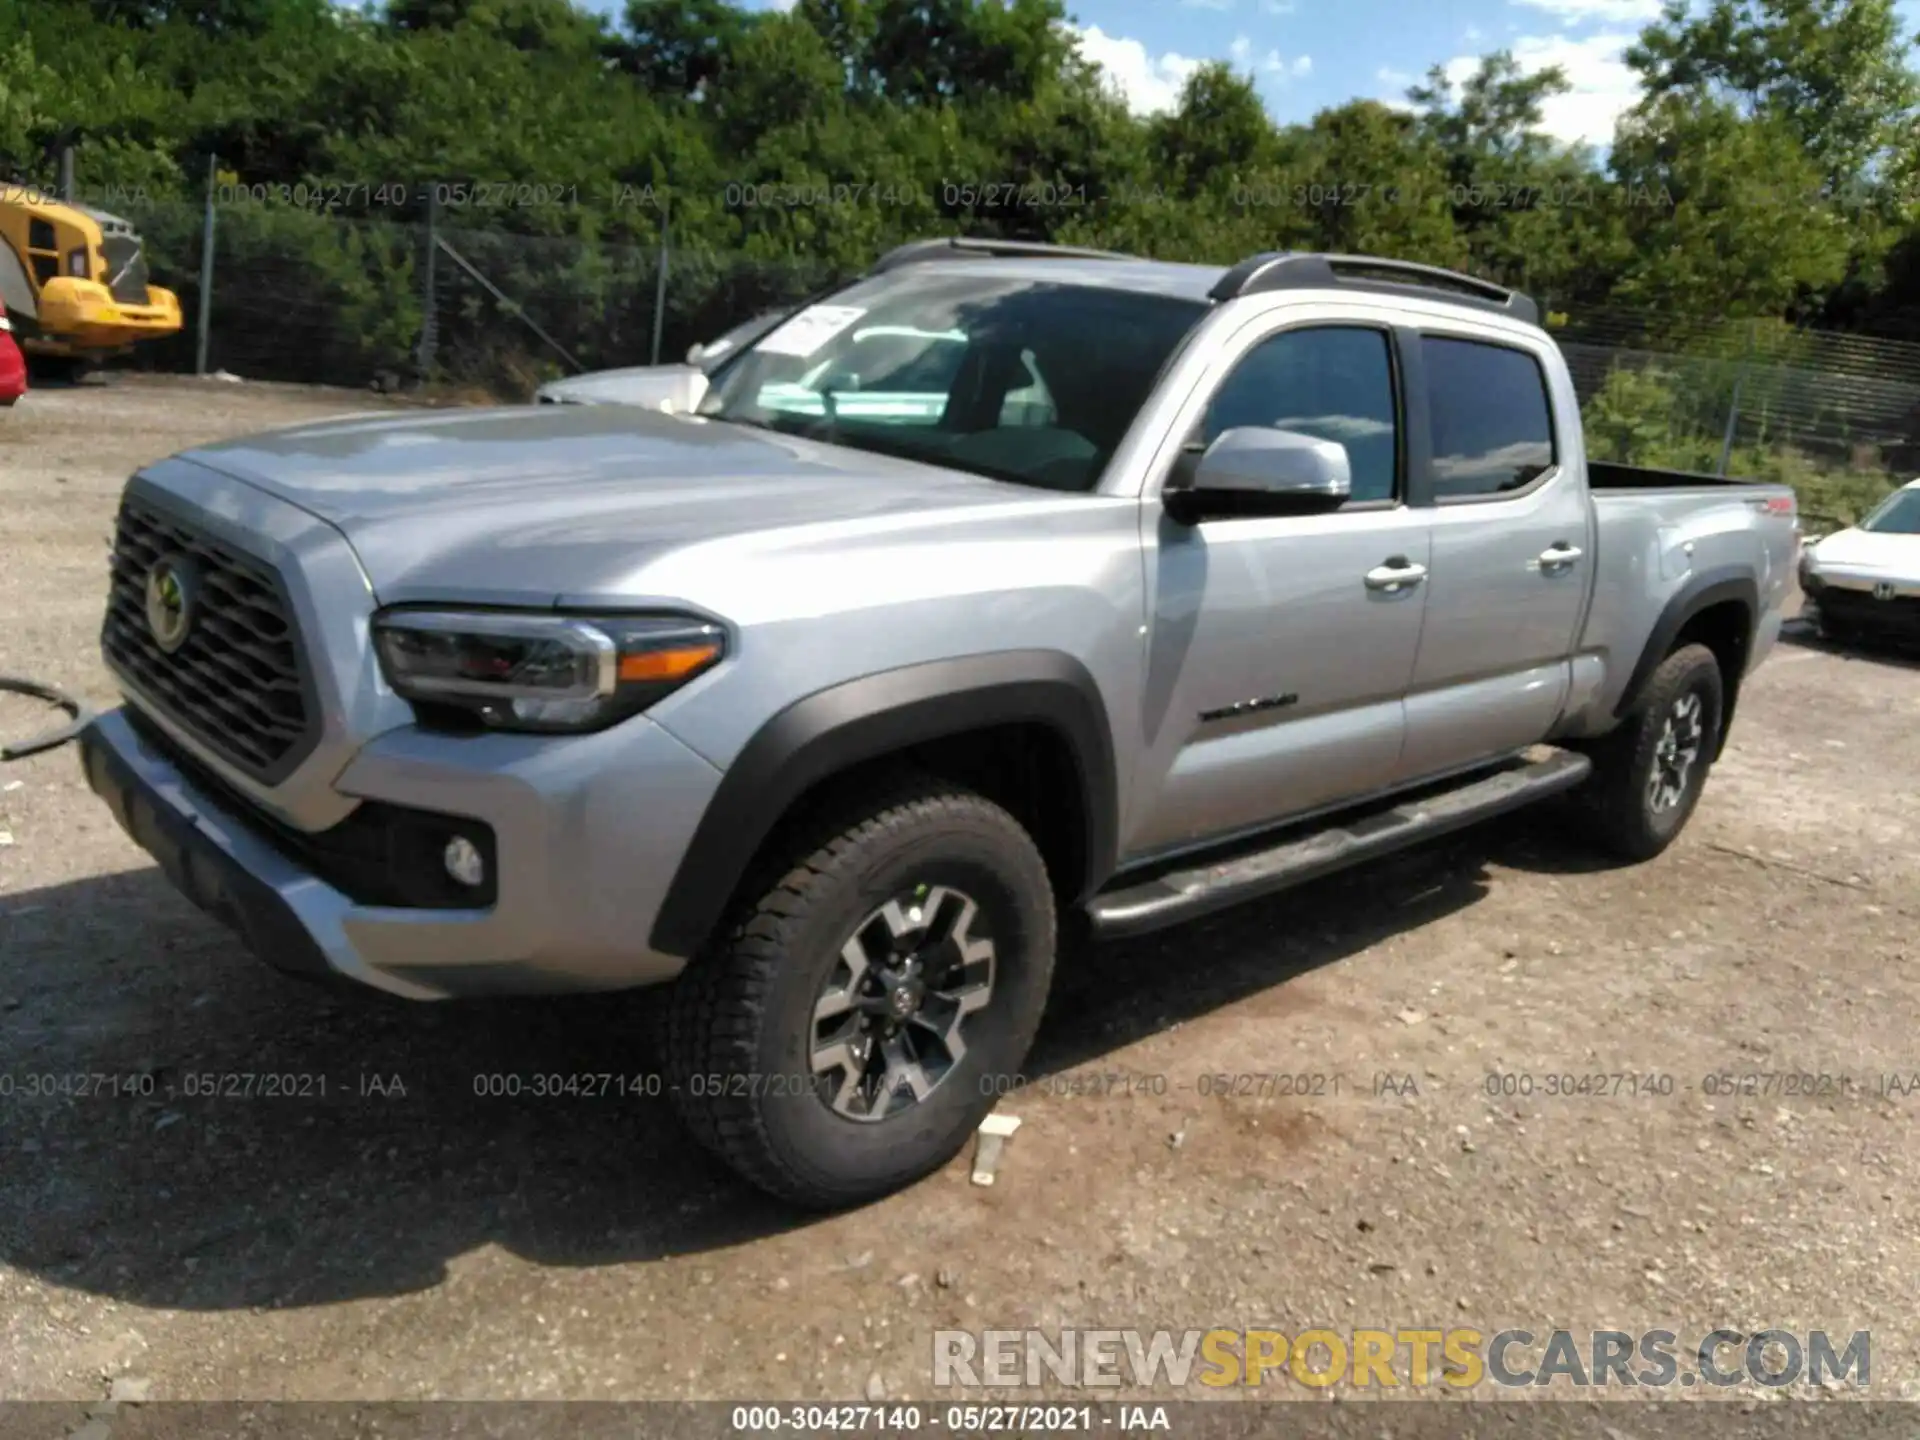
<point>960,247</point>
<point>1287,270</point>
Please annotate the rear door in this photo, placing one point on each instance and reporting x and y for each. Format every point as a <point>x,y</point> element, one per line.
<point>1512,548</point>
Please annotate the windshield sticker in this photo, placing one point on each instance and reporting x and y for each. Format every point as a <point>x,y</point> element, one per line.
<point>810,329</point>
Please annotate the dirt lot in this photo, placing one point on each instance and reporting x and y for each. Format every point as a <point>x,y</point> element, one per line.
<point>403,1238</point>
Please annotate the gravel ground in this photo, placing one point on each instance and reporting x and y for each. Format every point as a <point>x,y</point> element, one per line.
<point>402,1238</point>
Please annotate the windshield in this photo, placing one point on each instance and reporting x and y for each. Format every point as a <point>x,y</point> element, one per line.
<point>1899,514</point>
<point>1021,380</point>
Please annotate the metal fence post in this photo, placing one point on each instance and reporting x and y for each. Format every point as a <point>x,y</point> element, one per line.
<point>206,271</point>
<point>1733,409</point>
<point>429,306</point>
<point>660,281</point>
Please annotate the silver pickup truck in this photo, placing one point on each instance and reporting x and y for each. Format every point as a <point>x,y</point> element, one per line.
<point>836,717</point>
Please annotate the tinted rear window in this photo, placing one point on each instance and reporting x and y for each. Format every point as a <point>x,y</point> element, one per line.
<point>1492,425</point>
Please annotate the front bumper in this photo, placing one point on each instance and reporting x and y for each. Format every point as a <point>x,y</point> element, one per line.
<point>588,835</point>
<point>82,315</point>
<point>1869,606</point>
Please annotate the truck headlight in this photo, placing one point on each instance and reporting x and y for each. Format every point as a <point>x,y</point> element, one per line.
<point>541,672</point>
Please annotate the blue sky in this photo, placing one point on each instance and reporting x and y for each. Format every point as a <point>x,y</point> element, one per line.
<point>1306,54</point>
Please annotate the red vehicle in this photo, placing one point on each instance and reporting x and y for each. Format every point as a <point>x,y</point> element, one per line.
<point>13,368</point>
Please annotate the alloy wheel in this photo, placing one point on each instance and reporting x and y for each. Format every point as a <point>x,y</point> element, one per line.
<point>889,1025</point>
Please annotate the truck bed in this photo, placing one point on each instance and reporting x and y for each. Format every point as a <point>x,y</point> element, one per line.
<point>1606,475</point>
<point>1663,534</point>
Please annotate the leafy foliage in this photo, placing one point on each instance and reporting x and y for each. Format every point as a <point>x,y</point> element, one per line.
<point>1770,173</point>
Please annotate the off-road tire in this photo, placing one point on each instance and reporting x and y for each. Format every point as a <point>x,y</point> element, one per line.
<point>740,1022</point>
<point>1616,796</point>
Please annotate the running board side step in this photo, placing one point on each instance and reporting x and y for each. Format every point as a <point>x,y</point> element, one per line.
<point>1183,895</point>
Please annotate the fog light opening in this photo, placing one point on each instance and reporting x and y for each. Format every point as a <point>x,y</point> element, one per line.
<point>464,861</point>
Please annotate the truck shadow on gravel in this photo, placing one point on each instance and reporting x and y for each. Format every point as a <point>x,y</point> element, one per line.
<point>177,1199</point>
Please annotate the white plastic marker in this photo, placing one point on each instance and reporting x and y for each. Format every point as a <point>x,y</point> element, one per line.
<point>994,1133</point>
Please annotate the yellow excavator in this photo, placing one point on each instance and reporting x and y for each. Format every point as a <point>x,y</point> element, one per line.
<point>74,281</point>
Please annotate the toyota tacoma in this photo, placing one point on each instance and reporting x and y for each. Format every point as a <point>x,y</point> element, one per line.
<point>1195,584</point>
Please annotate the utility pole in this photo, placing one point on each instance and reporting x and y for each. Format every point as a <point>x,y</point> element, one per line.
<point>206,270</point>
<point>660,282</point>
<point>429,306</point>
<point>1733,410</point>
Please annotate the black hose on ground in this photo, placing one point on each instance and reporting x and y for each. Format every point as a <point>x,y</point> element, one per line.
<point>79,710</point>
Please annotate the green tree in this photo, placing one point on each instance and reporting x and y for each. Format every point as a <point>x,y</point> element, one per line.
<point>1526,204</point>
<point>1715,214</point>
<point>1837,72</point>
<point>674,47</point>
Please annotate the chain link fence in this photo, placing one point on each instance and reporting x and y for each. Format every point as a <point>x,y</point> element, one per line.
<point>299,295</point>
<point>306,297</point>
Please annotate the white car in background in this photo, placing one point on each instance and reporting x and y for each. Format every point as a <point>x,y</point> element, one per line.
<point>1864,582</point>
<point>673,388</point>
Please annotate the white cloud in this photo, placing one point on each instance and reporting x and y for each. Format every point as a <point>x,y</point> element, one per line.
<point>1603,85</point>
<point>1279,7</point>
<point>1395,83</point>
<point>1148,83</point>
<point>1272,63</point>
<point>1607,12</point>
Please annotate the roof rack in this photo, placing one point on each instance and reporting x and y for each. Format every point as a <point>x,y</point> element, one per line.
<point>1286,270</point>
<point>961,247</point>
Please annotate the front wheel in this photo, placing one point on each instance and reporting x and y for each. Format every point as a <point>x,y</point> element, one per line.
<point>853,1027</point>
<point>1648,774</point>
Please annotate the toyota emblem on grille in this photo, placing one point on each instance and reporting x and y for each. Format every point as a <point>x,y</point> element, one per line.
<point>1884,590</point>
<point>170,598</point>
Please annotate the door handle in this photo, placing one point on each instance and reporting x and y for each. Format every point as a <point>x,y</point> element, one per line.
<point>1397,574</point>
<point>1559,555</point>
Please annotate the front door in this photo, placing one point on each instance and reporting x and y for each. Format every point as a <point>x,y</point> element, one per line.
<point>1280,649</point>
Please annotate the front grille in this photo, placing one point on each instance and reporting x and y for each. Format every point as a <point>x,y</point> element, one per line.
<point>236,681</point>
<point>126,269</point>
<point>1899,616</point>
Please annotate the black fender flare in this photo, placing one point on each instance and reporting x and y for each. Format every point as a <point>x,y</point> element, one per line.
<point>1707,588</point>
<point>830,731</point>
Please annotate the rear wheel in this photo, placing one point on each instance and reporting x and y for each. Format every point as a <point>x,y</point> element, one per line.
<point>1648,774</point>
<point>848,1034</point>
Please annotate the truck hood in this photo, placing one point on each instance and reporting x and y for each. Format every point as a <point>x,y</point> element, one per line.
<point>1897,555</point>
<point>569,503</point>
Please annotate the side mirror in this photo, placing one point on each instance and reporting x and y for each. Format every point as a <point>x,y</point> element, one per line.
<point>694,352</point>
<point>1253,470</point>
